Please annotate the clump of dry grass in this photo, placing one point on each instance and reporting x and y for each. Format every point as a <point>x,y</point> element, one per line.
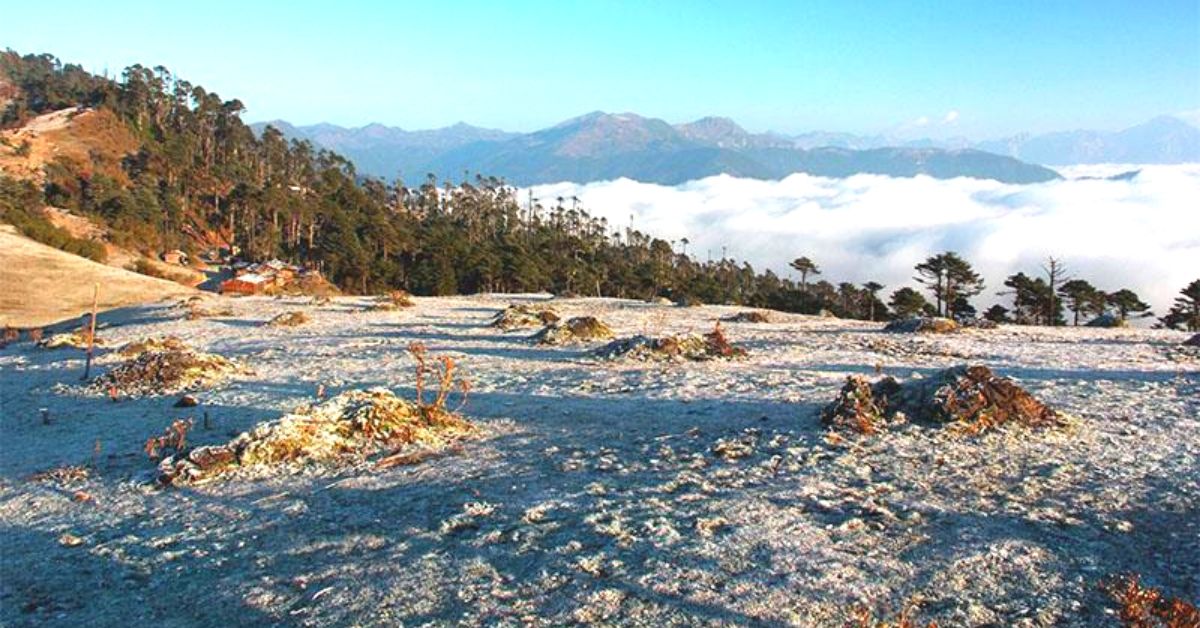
<point>163,372</point>
<point>354,426</point>
<point>173,438</point>
<point>10,335</point>
<point>64,475</point>
<point>574,330</point>
<point>1139,606</point>
<point>862,617</point>
<point>969,399</point>
<point>525,315</point>
<point>290,319</point>
<point>74,340</point>
<point>749,316</point>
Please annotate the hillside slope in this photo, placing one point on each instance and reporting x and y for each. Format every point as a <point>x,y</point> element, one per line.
<point>43,285</point>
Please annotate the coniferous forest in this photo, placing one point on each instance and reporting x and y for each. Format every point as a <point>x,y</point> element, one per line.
<point>199,178</point>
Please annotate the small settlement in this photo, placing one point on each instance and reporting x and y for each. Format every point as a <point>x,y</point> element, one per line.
<point>263,277</point>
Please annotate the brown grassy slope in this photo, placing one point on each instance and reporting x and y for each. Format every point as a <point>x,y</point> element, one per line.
<point>95,140</point>
<point>40,285</point>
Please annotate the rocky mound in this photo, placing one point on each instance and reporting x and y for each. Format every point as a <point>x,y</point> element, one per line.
<point>691,347</point>
<point>972,399</point>
<point>164,372</point>
<point>354,426</point>
<point>922,325</point>
<point>1194,341</point>
<point>525,315</point>
<point>575,330</point>
<point>751,316</point>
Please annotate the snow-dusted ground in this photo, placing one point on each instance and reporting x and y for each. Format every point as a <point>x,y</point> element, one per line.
<point>595,493</point>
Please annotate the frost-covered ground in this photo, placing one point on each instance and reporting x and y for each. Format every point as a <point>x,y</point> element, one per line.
<point>699,493</point>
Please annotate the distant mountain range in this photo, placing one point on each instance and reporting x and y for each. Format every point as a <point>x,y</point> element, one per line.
<point>601,146</point>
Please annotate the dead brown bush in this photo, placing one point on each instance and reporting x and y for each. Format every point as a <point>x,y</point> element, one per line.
<point>173,438</point>
<point>1139,606</point>
<point>289,319</point>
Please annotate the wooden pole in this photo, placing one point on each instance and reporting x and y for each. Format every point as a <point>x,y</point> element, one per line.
<point>87,369</point>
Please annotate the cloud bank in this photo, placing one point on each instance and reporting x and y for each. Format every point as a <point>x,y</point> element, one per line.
<point>1142,233</point>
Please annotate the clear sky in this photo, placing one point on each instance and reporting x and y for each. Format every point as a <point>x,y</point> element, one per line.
<point>979,69</point>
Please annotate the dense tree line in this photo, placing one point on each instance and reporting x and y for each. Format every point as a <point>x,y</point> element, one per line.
<point>201,179</point>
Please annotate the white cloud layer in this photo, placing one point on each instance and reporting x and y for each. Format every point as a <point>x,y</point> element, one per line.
<point>1142,233</point>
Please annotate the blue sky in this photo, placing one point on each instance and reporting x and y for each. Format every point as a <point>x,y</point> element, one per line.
<point>979,69</point>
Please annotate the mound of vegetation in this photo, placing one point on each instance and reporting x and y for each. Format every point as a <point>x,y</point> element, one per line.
<point>922,325</point>
<point>521,315</point>
<point>149,345</point>
<point>160,372</point>
<point>693,347</point>
<point>970,399</point>
<point>73,340</point>
<point>355,426</point>
<point>750,316</point>
<point>574,330</point>
<point>290,319</point>
<point>393,300</point>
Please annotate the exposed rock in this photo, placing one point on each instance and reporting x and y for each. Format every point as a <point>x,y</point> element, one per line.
<point>922,325</point>
<point>578,329</point>
<point>354,426</point>
<point>972,399</point>
<point>1194,341</point>
<point>525,315</point>
<point>187,401</point>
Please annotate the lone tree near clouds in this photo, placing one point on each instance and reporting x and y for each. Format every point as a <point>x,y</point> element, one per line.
<point>951,280</point>
<point>805,267</point>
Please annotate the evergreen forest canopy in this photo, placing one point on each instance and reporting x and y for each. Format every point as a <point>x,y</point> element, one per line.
<point>201,178</point>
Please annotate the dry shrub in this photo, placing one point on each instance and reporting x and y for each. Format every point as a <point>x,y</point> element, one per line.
<point>525,315</point>
<point>717,344</point>
<point>578,329</point>
<point>290,319</point>
<point>969,399</point>
<point>399,298</point>
<point>173,438</point>
<point>750,316</point>
<point>64,475</point>
<point>358,425</point>
<point>11,335</point>
<point>163,372</point>
<point>856,408</point>
<point>922,325</point>
<point>35,334</point>
<point>1140,606</point>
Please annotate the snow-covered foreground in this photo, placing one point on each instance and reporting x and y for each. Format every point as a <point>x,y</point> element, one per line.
<point>605,491</point>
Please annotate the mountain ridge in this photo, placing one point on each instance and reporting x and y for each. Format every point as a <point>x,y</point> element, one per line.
<point>598,146</point>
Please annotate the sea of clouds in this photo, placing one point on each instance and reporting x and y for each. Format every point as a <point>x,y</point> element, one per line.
<point>1142,233</point>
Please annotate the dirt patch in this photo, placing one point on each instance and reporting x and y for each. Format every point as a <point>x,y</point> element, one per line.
<point>355,426</point>
<point>970,399</point>
<point>165,372</point>
<point>525,315</point>
<point>922,325</point>
<point>575,330</point>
